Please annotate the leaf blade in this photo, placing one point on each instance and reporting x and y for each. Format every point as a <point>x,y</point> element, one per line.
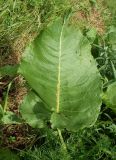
<point>80,82</point>
<point>33,111</point>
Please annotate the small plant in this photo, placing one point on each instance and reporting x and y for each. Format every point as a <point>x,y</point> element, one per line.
<point>7,117</point>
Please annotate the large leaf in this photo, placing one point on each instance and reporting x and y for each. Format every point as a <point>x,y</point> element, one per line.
<point>33,111</point>
<point>59,66</point>
<point>109,96</point>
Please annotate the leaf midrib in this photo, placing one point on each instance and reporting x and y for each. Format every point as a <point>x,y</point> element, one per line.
<point>59,75</point>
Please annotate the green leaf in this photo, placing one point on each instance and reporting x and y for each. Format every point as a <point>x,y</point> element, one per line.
<point>91,35</point>
<point>112,37</point>
<point>59,66</point>
<point>33,111</point>
<point>93,2</point>
<point>109,96</point>
<point>1,112</point>
<point>6,154</point>
<point>112,5</point>
<point>10,118</point>
<point>8,70</point>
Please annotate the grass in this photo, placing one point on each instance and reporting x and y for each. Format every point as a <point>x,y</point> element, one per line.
<point>20,22</point>
<point>94,143</point>
<point>21,17</point>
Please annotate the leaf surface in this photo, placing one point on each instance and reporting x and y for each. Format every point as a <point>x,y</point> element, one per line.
<point>110,96</point>
<point>59,66</point>
<point>10,118</point>
<point>33,111</point>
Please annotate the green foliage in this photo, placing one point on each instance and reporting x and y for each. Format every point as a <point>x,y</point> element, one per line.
<point>8,70</point>
<point>1,112</point>
<point>65,78</point>
<point>111,4</point>
<point>93,143</point>
<point>33,107</point>
<point>8,117</point>
<point>6,154</point>
<point>111,36</point>
<point>91,35</point>
<point>105,51</point>
<point>109,96</point>
<point>25,19</point>
<point>22,17</point>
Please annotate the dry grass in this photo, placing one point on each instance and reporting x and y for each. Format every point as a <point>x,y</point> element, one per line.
<point>17,94</point>
<point>87,16</point>
<point>20,44</point>
<point>95,20</point>
<point>17,136</point>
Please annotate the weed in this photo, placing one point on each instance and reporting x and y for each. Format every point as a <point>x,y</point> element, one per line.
<point>20,22</point>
